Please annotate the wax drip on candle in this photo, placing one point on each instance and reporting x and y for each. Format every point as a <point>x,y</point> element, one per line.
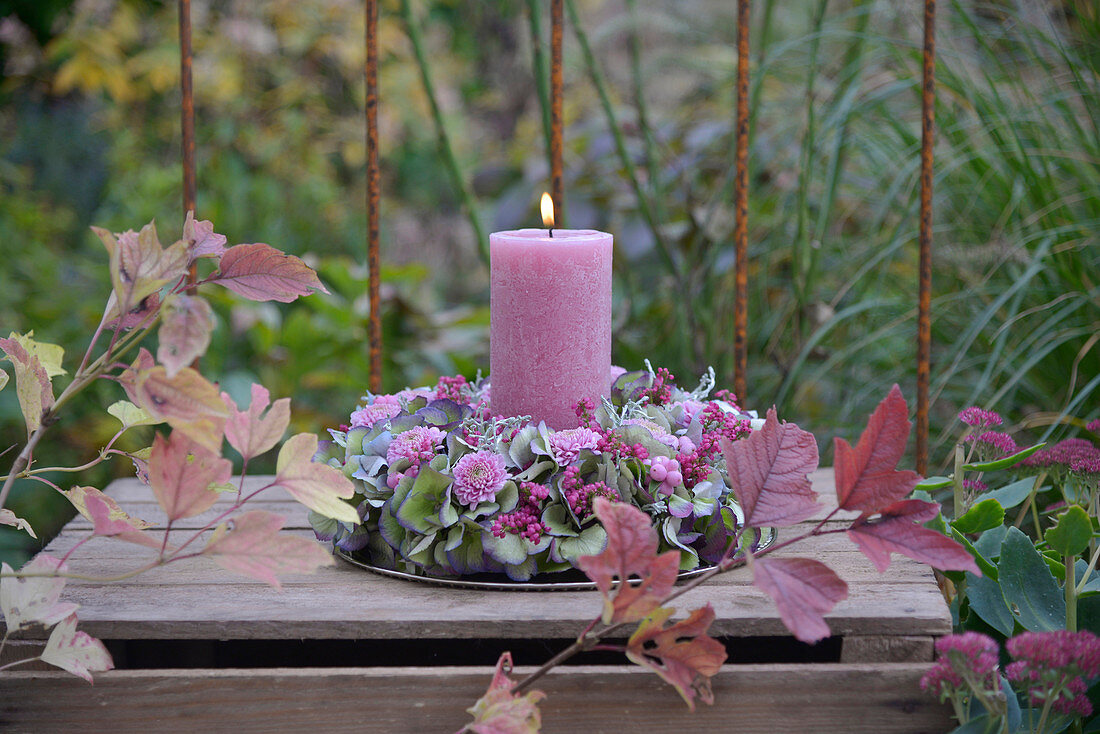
<point>547,206</point>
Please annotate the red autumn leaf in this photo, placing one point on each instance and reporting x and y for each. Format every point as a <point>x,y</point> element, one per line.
<point>201,238</point>
<point>898,530</point>
<point>682,653</point>
<point>866,476</point>
<point>76,652</point>
<point>804,590</point>
<point>631,552</point>
<point>256,432</point>
<point>184,332</point>
<point>252,545</point>
<point>768,472</point>
<point>108,519</point>
<point>32,383</point>
<point>181,472</point>
<point>500,711</point>
<point>139,315</point>
<point>7,517</point>
<point>34,600</point>
<point>262,273</point>
<point>187,401</point>
<point>140,266</point>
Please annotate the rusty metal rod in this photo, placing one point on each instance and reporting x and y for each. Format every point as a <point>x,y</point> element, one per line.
<point>741,207</point>
<point>924,308</point>
<point>374,330</point>
<point>557,95</point>
<point>187,118</point>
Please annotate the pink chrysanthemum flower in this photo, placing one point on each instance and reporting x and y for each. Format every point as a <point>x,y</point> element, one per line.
<point>566,445</point>
<point>417,445</point>
<point>975,416</point>
<point>371,414</point>
<point>478,477</point>
<point>1054,666</point>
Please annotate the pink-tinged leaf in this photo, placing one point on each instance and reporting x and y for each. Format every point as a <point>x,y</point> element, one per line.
<point>631,554</point>
<point>500,711</point>
<point>32,383</point>
<point>768,471</point>
<point>252,545</point>
<point>866,477</point>
<point>319,487</point>
<point>682,653</point>
<point>184,333</point>
<point>187,402</point>
<point>804,590</point>
<point>139,315</point>
<point>140,266</point>
<point>262,273</point>
<point>34,600</point>
<point>108,518</point>
<point>256,432</point>
<point>181,472</point>
<point>76,652</point>
<point>201,238</point>
<point>898,531</point>
<point>7,517</point>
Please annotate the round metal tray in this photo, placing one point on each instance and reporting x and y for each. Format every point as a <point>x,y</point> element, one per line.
<point>563,581</point>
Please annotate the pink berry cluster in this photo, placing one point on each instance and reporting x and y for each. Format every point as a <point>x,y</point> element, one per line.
<point>580,496</point>
<point>660,392</point>
<point>613,444</point>
<point>586,413</point>
<point>978,418</point>
<point>727,396</point>
<point>667,472</point>
<point>1054,667</point>
<point>964,662</point>
<point>524,520</point>
<point>717,424</point>
<point>452,388</point>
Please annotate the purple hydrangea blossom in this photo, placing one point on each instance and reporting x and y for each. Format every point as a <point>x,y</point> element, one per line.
<point>478,477</point>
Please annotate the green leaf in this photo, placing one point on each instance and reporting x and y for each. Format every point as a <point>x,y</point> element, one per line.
<point>511,549</point>
<point>508,496</point>
<point>1028,586</point>
<point>1004,462</point>
<point>989,544</point>
<point>933,483</point>
<point>557,519</point>
<point>422,504</point>
<point>131,415</point>
<point>590,542</point>
<point>988,602</point>
<point>985,515</point>
<point>1013,494</point>
<point>1071,535</point>
<point>986,567</point>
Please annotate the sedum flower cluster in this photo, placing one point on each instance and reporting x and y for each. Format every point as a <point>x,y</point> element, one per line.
<point>445,488</point>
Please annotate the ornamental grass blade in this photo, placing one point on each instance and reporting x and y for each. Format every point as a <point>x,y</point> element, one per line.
<point>257,431</point>
<point>181,472</point>
<point>32,382</point>
<point>187,322</point>
<point>76,652</point>
<point>187,401</point>
<point>898,530</point>
<point>866,477</point>
<point>251,544</point>
<point>261,273</point>
<point>804,591</point>
<point>319,487</point>
<point>31,601</point>
<point>500,711</point>
<point>630,556</point>
<point>768,472</point>
<point>682,653</point>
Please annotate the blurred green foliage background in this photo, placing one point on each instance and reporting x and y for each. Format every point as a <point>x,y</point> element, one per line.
<point>89,134</point>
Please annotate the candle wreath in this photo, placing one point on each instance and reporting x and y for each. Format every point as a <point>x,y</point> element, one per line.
<point>444,488</point>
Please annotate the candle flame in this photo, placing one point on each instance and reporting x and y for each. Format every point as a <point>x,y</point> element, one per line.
<point>547,206</point>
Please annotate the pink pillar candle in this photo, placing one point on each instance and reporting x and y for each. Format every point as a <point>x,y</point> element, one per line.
<point>550,322</point>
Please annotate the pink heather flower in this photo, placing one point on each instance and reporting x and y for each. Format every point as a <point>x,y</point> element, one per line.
<point>975,416</point>
<point>416,444</point>
<point>968,656</point>
<point>1094,426</point>
<point>478,477</point>
<point>667,472</point>
<point>371,414</point>
<point>566,445</point>
<point>1054,665</point>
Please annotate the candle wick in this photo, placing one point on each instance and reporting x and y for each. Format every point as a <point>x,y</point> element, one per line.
<point>551,233</point>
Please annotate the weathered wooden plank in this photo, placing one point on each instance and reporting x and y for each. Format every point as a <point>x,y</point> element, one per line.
<point>14,650</point>
<point>855,699</point>
<point>887,649</point>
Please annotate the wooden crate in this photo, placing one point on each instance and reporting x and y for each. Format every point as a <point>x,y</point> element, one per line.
<point>198,648</point>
